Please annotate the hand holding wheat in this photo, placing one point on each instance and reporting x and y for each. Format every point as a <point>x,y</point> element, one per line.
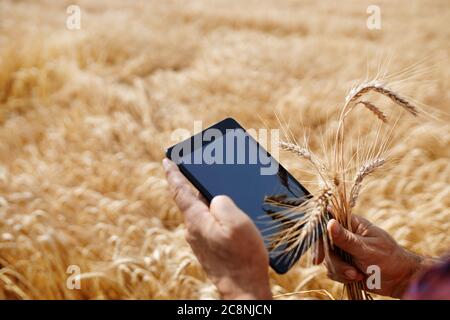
<point>308,219</point>
<point>369,246</point>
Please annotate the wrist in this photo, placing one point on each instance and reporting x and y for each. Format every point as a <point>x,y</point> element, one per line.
<point>414,266</point>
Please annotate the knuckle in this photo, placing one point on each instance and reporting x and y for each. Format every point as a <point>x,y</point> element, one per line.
<point>190,236</point>
<point>178,193</point>
<point>231,235</point>
<point>238,228</point>
<point>192,228</point>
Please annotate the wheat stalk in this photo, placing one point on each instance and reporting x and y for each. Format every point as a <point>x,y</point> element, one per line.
<point>366,170</point>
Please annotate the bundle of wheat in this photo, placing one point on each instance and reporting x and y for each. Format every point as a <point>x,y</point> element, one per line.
<point>305,220</point>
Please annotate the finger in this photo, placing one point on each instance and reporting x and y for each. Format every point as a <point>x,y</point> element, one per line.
<point>341,271</point>
<point>193,209</point>
<point>226,210</point>
<point>319,253</point>
<point>358,221</point>
<point>176,179</point>
<point>344,239</point>
<point>202,198</point>
<point>179,185</point>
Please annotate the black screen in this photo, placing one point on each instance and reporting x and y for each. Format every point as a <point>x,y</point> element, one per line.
<point>234,164</point>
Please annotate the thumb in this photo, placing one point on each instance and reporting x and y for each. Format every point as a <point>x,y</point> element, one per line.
<point>224,209</point>
<point>344,239</point>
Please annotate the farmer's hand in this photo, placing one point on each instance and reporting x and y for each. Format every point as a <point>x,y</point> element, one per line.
<point>224,239</point>
<point>370,245</point>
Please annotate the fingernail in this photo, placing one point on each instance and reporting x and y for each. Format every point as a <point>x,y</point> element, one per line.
<point>166,164</point>
<point>350,274</point>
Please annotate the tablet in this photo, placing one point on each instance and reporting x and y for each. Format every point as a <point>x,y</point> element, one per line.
<point>225,160</point>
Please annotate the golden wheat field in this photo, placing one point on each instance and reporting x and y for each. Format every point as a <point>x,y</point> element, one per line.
<point>85,117</point>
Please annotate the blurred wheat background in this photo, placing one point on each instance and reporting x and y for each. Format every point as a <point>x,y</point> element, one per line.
<point>85,116</point>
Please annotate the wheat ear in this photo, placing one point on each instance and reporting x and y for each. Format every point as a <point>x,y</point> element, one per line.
<point>379,87</point>
<point>303,225</point>
<point>283,200</point>
<point>362,173</point>
<point>375,110</point>
<point>306,154</point>
<point>296,149</point>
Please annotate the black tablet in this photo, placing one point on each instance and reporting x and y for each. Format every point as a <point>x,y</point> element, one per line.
<point>225,160</point>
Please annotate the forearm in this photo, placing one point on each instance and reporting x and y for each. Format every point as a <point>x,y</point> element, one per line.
<point>417,264</point>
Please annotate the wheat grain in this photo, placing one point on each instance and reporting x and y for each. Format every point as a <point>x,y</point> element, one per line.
<point>375,110</point>
<point>296,149</point>
<point>381,88</point>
